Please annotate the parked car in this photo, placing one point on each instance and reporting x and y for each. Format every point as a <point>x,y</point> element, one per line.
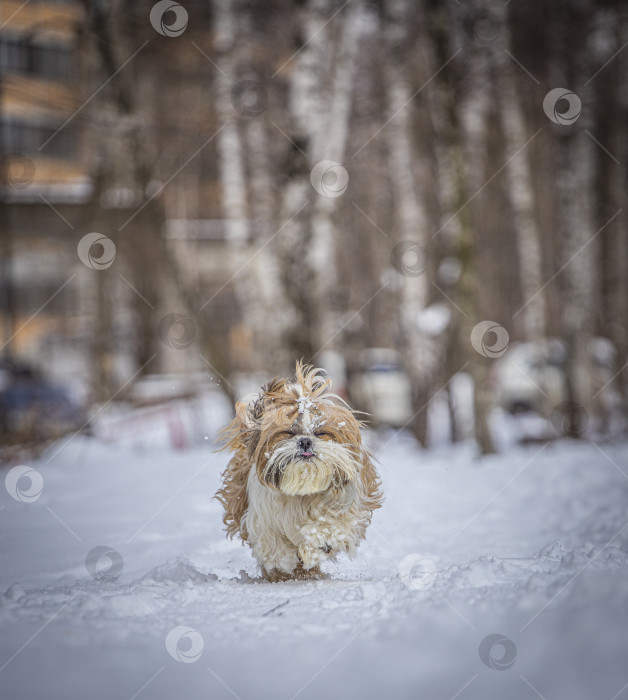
<point>34,409</point>
<point>531,376</point>
<point>381,387</point>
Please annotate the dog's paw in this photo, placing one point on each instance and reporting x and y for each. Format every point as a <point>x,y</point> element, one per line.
<point>327,537</point>
<point>310,556</point>
<point>314,534</point>
<point>323,540</point>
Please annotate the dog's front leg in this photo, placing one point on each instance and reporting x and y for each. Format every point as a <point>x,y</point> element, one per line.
<point>274,553</point>
<point>324,538</point>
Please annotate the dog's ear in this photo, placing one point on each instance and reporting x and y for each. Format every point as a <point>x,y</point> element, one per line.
<point>245,415</point>
<point>238,433</point>
<point>240,436</point>
<point>256,411</point>
<point>371,484</point>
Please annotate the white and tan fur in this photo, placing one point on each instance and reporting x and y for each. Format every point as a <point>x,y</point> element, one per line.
<point>300,487</point>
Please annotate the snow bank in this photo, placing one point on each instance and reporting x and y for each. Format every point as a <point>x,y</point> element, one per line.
<point>529,547</point>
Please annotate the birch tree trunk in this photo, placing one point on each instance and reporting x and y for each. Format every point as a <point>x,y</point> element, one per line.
<point>304,124</point>
<point>577,232</point>
<point>449,185</point>
<point>247,206</point>
<point>519,180</point>
<point>261,194</point>
<point>574,186</point>
<point>228,37</point>
<point>411,222</point>
<point>231,164</point>
<point>617,264</point>
<point>473,107</point>
<point>329,143</point>
<point>271,303</point>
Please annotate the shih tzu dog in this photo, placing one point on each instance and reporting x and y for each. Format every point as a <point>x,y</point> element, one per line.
<point>300,487</point>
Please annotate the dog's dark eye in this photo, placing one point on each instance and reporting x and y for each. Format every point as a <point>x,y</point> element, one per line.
<point>290,433</point>
<point>323,434</point>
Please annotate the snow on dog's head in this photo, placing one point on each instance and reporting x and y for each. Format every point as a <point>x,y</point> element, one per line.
<point>302,438</point>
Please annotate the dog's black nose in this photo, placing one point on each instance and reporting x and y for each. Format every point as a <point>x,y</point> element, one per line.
<point>305,444</point>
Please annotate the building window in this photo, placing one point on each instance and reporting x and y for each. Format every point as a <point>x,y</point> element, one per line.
<point>26,138</point>
<point>23,55</point>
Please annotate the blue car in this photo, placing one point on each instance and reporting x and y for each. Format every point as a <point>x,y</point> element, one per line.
<point>33,409</point>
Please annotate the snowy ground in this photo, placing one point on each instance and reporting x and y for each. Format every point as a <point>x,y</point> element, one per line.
<point>530,545</point>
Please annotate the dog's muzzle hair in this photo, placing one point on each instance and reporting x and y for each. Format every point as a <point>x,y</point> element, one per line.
<point>296,473</point>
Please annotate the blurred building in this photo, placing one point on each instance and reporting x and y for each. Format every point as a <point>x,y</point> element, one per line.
<point>56,314</point>
<point>44,167</point>
<point>39,93</point>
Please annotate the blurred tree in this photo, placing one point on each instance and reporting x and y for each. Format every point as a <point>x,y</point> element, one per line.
<point>152,261</point>
<point>435,112</point>
<point>411,221</point>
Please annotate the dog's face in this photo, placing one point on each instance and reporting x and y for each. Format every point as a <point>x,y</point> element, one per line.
<point>308,447</point>
<point>302,439</point>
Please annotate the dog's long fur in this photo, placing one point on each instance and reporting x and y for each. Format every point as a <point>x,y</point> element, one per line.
<point>297,508</point>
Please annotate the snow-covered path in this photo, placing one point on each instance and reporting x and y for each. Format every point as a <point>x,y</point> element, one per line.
<point>530,545</point>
